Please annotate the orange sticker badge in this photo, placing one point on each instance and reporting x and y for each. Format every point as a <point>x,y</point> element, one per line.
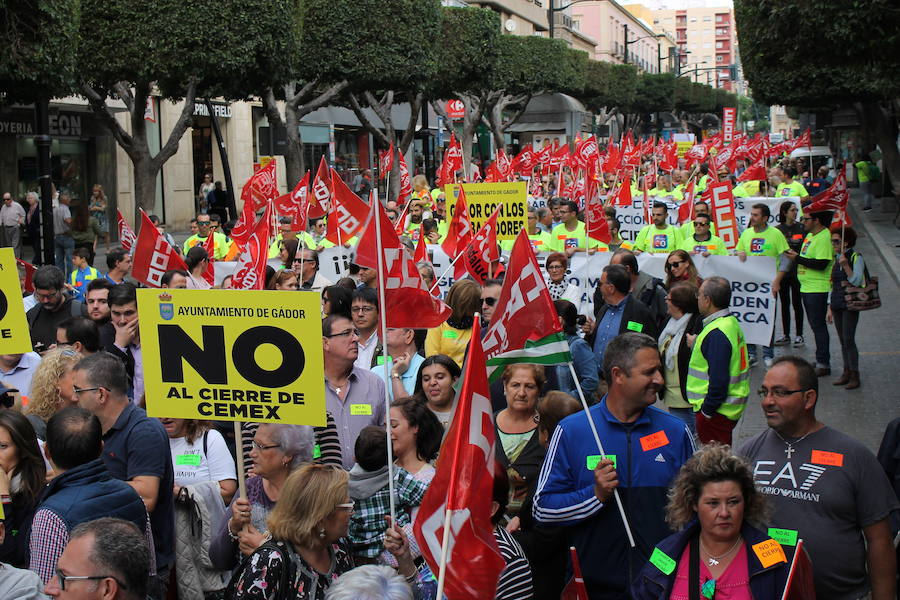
<point>769,553</point>
<point>833,459</point>
<point>654,440</point>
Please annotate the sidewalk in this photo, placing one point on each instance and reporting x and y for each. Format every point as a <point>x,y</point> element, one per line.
<point>878,225</point>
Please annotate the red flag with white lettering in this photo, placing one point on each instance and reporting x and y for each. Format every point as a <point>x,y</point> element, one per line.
<point>321,191</point>
<point>484,250</point>
<point>408,302</point>
<point>459,232</point>
<point>595,220</point>
<point>262,187</point>
<point>348,212</point>
<point>833,198</point>
<point>525,160</point>
<point>294,205</point>
<point>686,208</point>
<point>463,485</point>
<point>251,271</point>
<point>451,163</point>
<point>28,284</point>
<point>721,204</point>
<point>503,165</point>
<point>405,182</point>
<point>126,234</point>
<point>385,161</point>
<point>153,255</point>
<point>755,172</point>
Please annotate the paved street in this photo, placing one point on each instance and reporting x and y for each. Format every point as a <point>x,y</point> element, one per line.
<point>862,413</point>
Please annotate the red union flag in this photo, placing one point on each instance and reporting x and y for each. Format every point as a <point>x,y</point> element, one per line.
<point>463,486</point>
<point>595,219</point>
<point>459,232</point>
<point>721,202</point>
<point>126,235</point>
<point>262,187</point>
<point>586,152</point>
<point>251,271</point>
<point>210,246</point>
<point>348,212</point>
<point>153,255</point>
<point>755,172</point>
<point>483,251</point>
<point>28,284</point>
<point>833,198</point>
<point>321,191</point>
<point>408,302</point>
<point>294,205</point>
<point>729,115</point>
<point>405,182</point>
<point>503,165</point>
<point>385,161</point>
<point>525,160</point>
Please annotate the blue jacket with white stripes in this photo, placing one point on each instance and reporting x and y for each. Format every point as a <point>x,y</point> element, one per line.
<point>648,454</point>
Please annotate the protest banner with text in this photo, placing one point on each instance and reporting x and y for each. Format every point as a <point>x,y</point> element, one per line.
<point>483,199</point>
<point>233,355</point>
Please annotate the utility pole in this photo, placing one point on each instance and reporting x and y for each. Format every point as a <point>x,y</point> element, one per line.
<point>625,54</point>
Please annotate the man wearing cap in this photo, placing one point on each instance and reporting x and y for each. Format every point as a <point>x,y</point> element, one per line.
<point>814,263</point>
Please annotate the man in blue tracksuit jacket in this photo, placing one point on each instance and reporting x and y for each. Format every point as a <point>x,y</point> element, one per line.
<point>645,447</point>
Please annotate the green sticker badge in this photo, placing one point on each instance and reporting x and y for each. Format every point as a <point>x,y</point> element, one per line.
<point>594,459</point>
<point>785,537</point>
<point>187,459</point>
<point>450,334</point>
<point>662,561</point>
<point>317,452</point>
<point>635,326</point>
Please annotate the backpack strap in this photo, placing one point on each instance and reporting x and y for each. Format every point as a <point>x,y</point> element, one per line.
<point>205,436</point>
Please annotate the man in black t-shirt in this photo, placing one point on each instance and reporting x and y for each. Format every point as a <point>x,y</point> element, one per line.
<point>825,487</point>
<point>55,305</point>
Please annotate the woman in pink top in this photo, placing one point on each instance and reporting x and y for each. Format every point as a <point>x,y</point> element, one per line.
<point>717,554</point>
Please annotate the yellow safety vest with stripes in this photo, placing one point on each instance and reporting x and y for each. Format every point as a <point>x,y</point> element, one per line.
<point>738,370</point>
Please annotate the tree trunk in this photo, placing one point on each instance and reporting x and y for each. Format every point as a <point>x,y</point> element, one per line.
<point>496,106</point>
<point>883,128</point>
<point>144,186</point>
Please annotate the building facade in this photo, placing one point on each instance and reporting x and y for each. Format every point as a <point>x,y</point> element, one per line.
<point>610,23</point>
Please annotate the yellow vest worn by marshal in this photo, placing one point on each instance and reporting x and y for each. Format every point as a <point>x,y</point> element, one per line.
<point>738,369</point>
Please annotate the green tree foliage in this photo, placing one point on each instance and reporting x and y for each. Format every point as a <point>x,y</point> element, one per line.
<point>608,86</point>
<point>39,38</point>
<point>468,51</point>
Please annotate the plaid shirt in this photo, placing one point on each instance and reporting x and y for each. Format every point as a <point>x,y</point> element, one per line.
<point>367,523</point>
<point>49,536</point>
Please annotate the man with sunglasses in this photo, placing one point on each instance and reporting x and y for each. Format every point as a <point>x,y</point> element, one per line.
<point>824,487</point>
<point>204,230</point>
<point>490,294</point>
<point>702,241</point>
<point>700,208</point>
<point>103,559</point>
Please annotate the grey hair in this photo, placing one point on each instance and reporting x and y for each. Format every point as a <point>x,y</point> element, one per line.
<point>370,582</point>
<point>119,549</point>
<point>32,195</point>
<point>294,440</point>
<point>427,266</point>
<point>621,350</point>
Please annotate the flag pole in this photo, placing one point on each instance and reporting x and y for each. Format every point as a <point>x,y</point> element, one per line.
<point>445,545</point>
<point>590,419</point>
<point>382,313</point>
<point>447,270</point>
<point>239,455</point>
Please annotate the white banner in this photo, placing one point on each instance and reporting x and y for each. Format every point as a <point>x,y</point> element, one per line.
<point>742,208</point>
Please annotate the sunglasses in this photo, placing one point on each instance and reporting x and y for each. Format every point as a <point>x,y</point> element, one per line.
<point>674,265</point>
<point>490,301</point>
<point>701,223</point>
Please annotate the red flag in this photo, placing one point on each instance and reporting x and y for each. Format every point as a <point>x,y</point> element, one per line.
<point>385,161</point>
<point>800,584</point>
<point>696,154</point>
<point>648,206</point>
<point>586,152</point>
<point>525,160</point>
<point>210,246</point>
<point>614,158</point>
<point>463,486</point>
<point>153,255</point>
<point>243,228</point>
<point>492,175</point>
<point>524,311</point>
<point>575,589</point>
<point>595,220</point>
<point>622,196</point>
<point>348,213</point>
<point>294,205</point>
<point>451,163</point>
<point>321,191</point>
<point>262,187</point>
<point>833,198</point>
<point>126,234</point>
<point>251,272</point>
<point>755,172</point>
<point>685,210</point>
<point>804,140</point>
<point>459,232</point>
<point>28,284</point>
<point>669,160</point>
<point>721,205</point>
<point>408,302</point>
<point>421,253</point>
<point>483,251</point>
<point>405,182</point>
<point>503,165</point>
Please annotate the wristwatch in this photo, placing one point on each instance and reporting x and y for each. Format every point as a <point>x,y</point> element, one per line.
<point>394,376</point>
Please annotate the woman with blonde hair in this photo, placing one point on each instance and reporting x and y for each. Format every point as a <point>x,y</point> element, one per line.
<point>716,508</point>
<point>307,528</point>
<point>452,337</point>
<point>51,388</point>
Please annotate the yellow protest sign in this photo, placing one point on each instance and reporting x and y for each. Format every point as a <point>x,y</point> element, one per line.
<point>233,355</point>
<point>14,335</point>
<point>482,199</point>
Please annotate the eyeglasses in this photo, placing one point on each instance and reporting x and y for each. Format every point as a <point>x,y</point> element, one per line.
<point>836,241</point>
<point>555,267</point>
<point>778,392</point>
<point>46,296</point>
<point>490,301</point>
<point>674,265</point>
<point>77,390</point>
<point>343,333</point>
<point>64,578</point>
<point>362,309</point>
<point>259,446</point>
<point>806,218</point>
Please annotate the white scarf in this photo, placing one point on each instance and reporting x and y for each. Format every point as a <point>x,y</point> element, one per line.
<point>671,335</point>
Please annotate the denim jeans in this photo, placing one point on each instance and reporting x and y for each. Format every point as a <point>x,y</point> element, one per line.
<point>845,322</point>
<point>816,306</point>
<point>686,415</point>
<point>768,351</point>
<point>64,245</point>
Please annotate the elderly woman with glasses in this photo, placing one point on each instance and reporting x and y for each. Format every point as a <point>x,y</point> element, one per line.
<point>559,288</point>
<point>277,451</point>
<point>307,551</point>
<point>680,268</point>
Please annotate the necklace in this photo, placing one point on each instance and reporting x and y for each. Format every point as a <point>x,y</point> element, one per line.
<point>790,445</point>
<point>714,560</point>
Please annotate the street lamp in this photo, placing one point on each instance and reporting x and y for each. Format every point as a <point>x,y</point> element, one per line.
<point>551,9</point>
<point>644,37</point>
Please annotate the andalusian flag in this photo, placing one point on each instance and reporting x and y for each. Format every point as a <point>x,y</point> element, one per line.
<point>525,327</point>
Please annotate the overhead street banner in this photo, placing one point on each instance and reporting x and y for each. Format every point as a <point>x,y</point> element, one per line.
<point>483,199</point>
<point>233,355</point>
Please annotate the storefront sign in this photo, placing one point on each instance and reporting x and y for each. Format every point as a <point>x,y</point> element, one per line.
<point>61,125</point>
<point>223,111</point>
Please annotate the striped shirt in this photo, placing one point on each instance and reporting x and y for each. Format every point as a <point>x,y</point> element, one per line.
<point>515,579</point>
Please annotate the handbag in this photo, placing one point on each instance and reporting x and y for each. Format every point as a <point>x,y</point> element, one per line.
<point>863,298</point>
